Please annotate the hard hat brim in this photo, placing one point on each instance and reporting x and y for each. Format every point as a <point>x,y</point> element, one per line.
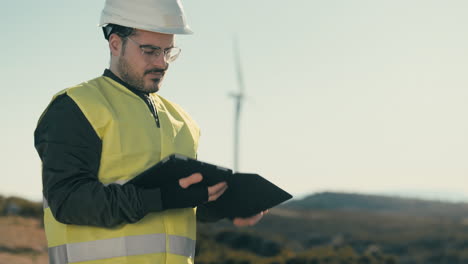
<point>177,31</point>
<point>177,27</point>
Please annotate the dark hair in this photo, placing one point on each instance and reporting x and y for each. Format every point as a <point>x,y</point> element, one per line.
<point>121,31</point>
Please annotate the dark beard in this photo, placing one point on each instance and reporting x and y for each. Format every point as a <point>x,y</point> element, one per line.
<point>136,82</point>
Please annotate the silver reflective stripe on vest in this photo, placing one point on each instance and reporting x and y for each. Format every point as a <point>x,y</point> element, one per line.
<point>121,247</point>
<point>58,255</point>
<point>182,246</point>
<point>45,204</point>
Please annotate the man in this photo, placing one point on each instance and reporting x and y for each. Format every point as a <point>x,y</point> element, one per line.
<point>96,136</point>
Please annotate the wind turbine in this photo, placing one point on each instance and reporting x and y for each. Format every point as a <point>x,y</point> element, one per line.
<point>238,99</point>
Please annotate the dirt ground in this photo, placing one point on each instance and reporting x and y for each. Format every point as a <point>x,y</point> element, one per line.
<point>22,241</point>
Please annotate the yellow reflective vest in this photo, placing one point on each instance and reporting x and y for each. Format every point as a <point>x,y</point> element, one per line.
<point>131,143</point>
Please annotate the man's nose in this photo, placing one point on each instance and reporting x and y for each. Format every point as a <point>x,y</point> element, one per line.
<point>160,62</point>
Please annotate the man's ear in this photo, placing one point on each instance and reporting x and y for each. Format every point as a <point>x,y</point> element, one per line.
<point>115,44</point>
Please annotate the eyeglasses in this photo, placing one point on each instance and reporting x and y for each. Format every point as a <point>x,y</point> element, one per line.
<point>151,53</point>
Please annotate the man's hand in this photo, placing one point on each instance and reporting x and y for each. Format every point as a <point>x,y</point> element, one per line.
<point>249,221</point>
<point>214,191</point>
<point>187,193</point>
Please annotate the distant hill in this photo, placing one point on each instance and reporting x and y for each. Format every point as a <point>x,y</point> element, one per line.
<point>378,203</point>
<point>337,228</point>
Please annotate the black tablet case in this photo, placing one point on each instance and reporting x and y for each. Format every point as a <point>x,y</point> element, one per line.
<point>247,194</point>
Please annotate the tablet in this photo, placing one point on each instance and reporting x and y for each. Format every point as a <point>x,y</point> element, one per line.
<point>175,167</point>
<point>247,194</point>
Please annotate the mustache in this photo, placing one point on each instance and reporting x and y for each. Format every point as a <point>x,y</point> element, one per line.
<point>155,70</point>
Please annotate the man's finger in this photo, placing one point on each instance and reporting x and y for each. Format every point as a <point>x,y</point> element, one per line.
<point>249,221</point>
<point>216,188</point>
<point>215,191</point>
<point>192,179</point>
<point>215,196</point>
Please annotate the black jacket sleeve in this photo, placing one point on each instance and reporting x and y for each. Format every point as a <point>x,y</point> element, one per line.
<point>207,214</point>
<point>70,151</point>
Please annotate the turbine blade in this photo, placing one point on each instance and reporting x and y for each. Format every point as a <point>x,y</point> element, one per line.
<point>240,77</point>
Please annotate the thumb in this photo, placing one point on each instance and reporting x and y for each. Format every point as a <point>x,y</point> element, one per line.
<point>192,179</point>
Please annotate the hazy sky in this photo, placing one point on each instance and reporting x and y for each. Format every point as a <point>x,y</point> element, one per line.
<point>349,95</point>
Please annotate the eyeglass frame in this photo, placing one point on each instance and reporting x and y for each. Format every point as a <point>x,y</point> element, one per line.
<point>156,51</point>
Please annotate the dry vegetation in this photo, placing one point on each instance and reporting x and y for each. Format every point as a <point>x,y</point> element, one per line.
<point>22,240</point>
<point>321,229</point>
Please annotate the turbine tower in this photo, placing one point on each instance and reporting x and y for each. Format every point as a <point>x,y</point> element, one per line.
<point>238,99</point>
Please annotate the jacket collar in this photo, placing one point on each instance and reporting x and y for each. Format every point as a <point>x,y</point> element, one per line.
<point>110,74</point>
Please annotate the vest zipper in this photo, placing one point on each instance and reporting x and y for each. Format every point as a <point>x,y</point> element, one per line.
<point>154,111</point>
<point>149,102</point>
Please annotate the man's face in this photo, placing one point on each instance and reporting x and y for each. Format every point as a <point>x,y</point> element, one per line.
<point>143,72</point>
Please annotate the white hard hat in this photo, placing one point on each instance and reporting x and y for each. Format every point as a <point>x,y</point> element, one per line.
<point>163,16</point>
